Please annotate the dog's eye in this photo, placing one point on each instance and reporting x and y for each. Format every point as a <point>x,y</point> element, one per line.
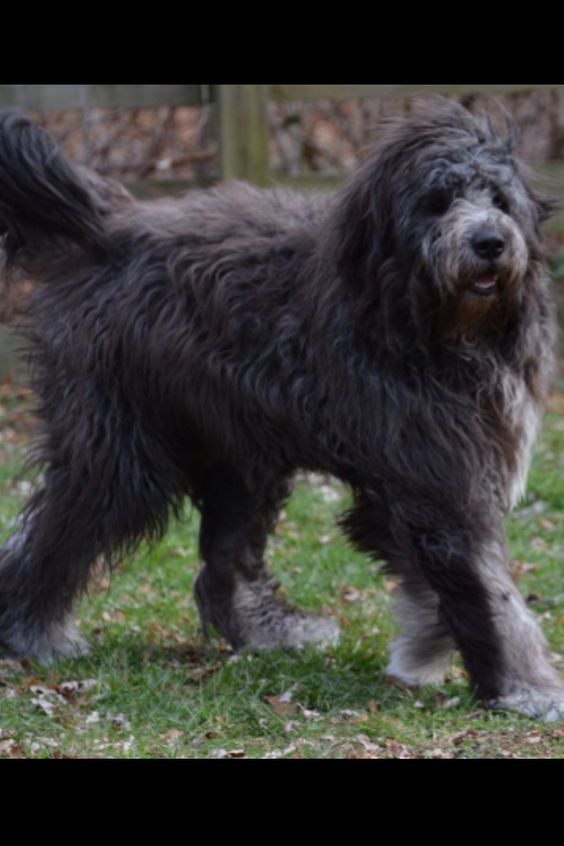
<point>436,202</point>
<point>500,202</point>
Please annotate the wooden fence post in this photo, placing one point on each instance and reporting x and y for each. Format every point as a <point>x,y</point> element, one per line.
<point>243,132</point>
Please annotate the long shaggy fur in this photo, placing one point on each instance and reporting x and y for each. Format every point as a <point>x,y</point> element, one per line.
<point>397,335</point>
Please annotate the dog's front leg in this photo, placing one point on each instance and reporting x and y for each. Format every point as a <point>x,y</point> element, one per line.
<point>466,564</point>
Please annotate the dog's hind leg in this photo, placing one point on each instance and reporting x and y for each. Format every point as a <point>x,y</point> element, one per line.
<point>234,591</point>
<point>108,482</point>
<point>38,582</point>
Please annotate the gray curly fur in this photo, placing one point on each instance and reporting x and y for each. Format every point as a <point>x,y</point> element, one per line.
<point>397,335</point>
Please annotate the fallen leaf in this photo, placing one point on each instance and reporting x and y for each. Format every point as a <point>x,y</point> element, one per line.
<point>124,746</point>
<point>350,594</point>
<point>329,493</point>
<point>71,690</point>
<point>228,753</point>
<point>519,568</point>
<point>398,750</point>
<point>280,706</point>
<point>309,714</point>
<point>558,732</point>
<point>390,584</point>
<point>200,672</point>
<point>44,705</point>
<point>172,735</point>
<point>349,714</point>
<point>461,736</point>
<point>177,552</point>
<point>119,721</point>
<point>437,753</point>
<point>372,749</point>
<point>547,524</point>
<point>114,617</point>
<point>10,748</point>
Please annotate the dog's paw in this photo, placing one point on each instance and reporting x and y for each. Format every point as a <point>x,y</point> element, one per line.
<point>302,629</point>
<point>264,620</point>
<point>60,640</point>
<point>546,703</point>
<point>68,642</point>
<point>293,630</point>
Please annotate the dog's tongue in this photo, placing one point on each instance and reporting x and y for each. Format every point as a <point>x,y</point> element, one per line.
<point>484,281</point>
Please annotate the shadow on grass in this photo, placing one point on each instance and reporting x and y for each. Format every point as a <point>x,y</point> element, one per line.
<point>348,676</point>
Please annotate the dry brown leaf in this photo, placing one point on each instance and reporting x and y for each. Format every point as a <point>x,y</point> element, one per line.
<point>199,673</point>
<point>113,616</point>
<point>370,749</point>
<point>172,735</point>
<point>44,705</point>
<point>10,748</point>
<point>350,594</point>
<point>453,702</point>
<point>309,714</point>
<point>547,524</point>
<point>519,568</point>
<point>280,706</point>
<point>228,753</point>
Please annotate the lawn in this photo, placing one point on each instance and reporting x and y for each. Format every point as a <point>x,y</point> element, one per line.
<point>152,687</point>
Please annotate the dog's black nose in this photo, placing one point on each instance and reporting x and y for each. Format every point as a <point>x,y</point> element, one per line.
<point>487,244</point>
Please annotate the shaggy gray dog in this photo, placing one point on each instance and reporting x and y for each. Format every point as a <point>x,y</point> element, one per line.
<point>397,335</point>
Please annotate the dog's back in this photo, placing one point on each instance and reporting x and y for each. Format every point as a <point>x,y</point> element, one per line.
<point>202,288</point>
<point>48,204</point>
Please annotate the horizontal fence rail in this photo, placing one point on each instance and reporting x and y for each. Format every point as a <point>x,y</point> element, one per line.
<point>55,98</point>
<point>284,93</point>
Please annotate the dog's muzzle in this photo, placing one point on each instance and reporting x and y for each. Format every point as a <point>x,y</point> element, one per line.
<point>488,245</point>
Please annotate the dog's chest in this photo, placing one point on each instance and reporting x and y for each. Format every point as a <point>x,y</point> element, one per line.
<point>522,418</point>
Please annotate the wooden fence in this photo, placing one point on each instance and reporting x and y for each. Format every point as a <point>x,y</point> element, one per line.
<point>242,109</point>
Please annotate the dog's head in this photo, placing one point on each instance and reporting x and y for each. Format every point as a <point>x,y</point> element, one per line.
<point>440,223</point>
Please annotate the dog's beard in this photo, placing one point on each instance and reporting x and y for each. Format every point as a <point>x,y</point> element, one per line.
<point>480,304</point>
<point>474,297</point>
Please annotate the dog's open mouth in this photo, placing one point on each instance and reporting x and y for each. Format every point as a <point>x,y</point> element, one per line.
<point>484,286</point>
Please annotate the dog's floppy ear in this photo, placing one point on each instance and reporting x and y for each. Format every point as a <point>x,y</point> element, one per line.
<point>361,234</point>
<point>546,207</point>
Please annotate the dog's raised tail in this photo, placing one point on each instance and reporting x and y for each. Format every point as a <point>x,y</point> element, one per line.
<point>44,202</point>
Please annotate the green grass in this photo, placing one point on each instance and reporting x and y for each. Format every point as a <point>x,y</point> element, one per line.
<point>152,687</point>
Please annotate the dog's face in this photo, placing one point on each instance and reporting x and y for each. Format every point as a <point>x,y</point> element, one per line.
<point>444,218</point>
<point>470,220</point>
<point>470,227</point>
